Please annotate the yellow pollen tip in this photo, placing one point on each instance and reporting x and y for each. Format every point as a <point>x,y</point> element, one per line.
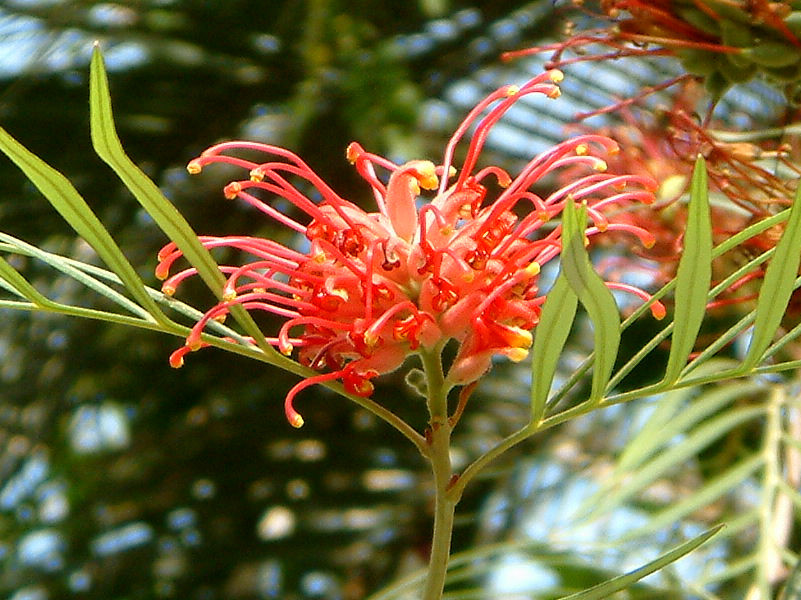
<point>177,363</point>
<point>614,150</point>
<point>600,166</point>
<point>451,171</point>
<point>231,190</point>
<point>228,295</point>
<point>194,345</point>
<point>219,318</point>
<point>286,349</point>
<point>512,90</point>
<point>427,176</point>
<point>256,175</point>
<point>556,76</point>
<point>554,93</point>
<point>658,310</point>
<point>296,421</point>
<point>194,167</point>
<point>522,337</point>
<point>352,152</point>
<point>167,290</point>
<point>533,269</point>
<point>517,354</point>
<point>468,277</point>
<point>370,338</point>
<point>319,257</point>
<point>582,149</point>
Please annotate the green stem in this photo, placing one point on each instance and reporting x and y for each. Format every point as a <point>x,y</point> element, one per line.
<point>439,441</point>
<point>475,467</point>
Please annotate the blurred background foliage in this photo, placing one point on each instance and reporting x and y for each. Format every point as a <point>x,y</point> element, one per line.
<point>121,478</point>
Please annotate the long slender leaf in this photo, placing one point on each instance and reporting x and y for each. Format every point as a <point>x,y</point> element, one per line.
<point>14,281</point>
<point>643,444</point>
<point>65,265</point>
<point>605,589</point>
<point>732,242</point>
<point>701,437</point>
<point>17,283</point>
<point>73,208</point>
<point>674,416</point>
<point>733,569</point>
<point>791,335</point>
<point>593,295</point>
<point>550,336</point>
<point>693,277</point>
<point>678,417</point>
<point>700,498</point>
<point>107,144</point>
<point>777,286</point>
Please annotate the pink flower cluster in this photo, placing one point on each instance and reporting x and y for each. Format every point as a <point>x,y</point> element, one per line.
<point>374,287</point>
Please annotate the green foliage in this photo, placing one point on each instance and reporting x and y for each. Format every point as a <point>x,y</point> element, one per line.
<point>780,281</point>
<point>593,295</point>
<point>108,147</point>
<point>552,332</point>
<point>693,277</point>
<point>603,590</point>
<point>66,200</point>
<point>720,440</point>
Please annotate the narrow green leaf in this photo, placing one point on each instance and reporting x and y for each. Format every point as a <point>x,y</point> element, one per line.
<point>643,444</point>
<point>605,589</point>
<point>675,415</point>
<point>777,286</point>
<point>550,336</point>
<point>593,295</point>
<point>699,438</point>
<point>732,242</point>
<point>694,275</point>
<point>706,495</point>
<point>20,285</point>
<point>731,570</point>
<point>788,337</point>
<point>14,281</point>
<point>73,208</point>
<point>107,144</point>
<point>66,266</point>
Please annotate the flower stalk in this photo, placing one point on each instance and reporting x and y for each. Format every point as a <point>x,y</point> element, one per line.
<point>438,438</point>
<point>444,510</point>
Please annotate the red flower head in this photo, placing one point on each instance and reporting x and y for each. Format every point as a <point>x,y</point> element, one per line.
<point>721,41</point>
<point>374,287</point>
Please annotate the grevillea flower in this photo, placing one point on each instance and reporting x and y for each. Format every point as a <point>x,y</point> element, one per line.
<point>664,144</point>
<point>371,288</point>
<point>722,41</point>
